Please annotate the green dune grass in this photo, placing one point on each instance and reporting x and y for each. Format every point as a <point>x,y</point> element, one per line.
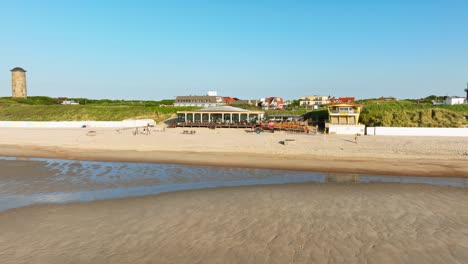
<point>409,113</point>
<point>48,109</point>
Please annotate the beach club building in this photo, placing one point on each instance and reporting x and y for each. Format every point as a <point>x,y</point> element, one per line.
<point>343,118</point>
<point>221,114</point>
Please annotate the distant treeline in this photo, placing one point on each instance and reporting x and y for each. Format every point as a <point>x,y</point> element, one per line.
<point>44,100</point>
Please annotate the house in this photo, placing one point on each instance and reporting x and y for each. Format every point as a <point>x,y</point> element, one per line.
<point>388,98</point>
<point>69,102</point>
<point>450,100</point>
<point>343,118</point>
<point>344,114</point>
<point>342,100</point>
<point>229,100</point>
<point>276,103</point>
<point>454,100</point>
<point>66,101</point>
<point>237,101</point>
<point>200,101</point>
<point>314,100</point>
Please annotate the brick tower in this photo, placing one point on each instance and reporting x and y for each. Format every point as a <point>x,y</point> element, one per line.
<point>18,82</point>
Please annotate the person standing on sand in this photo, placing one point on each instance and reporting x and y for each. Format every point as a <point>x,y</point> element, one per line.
<point>355,138</point>
<point>148,129</point>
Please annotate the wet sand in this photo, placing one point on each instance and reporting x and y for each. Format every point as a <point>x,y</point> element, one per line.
<point>293,223</point>
<point>414,156</point>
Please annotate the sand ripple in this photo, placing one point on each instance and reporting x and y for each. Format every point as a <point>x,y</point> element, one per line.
<point>295,223</point>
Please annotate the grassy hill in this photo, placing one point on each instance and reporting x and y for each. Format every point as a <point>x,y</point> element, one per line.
<point>42,108</point>
<point>411,113</point>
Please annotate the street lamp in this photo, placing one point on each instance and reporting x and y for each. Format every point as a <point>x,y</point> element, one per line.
<point>466,90</point>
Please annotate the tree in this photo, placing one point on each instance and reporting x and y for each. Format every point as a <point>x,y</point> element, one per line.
<point>294,103</point>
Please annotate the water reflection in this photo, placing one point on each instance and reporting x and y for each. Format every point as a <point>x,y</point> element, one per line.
<point>33,181</point>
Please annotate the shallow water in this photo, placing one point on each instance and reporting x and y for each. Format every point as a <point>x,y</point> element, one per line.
<point>28,181</point>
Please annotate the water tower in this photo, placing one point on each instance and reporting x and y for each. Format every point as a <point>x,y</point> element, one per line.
<point>18,82</point>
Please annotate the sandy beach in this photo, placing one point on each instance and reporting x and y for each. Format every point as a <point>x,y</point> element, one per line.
<point>293,223</point>
<point>415,156</point>
<point>287,223</point>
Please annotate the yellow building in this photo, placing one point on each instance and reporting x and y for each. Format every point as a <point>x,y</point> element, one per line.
<point>314,100</point>
<point>344,114</point>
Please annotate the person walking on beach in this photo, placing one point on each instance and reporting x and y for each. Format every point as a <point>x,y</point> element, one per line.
<point>146,129</point>
<point>355,138</point>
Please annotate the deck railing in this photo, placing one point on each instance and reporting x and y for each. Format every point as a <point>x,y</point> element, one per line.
<point>344,112</point>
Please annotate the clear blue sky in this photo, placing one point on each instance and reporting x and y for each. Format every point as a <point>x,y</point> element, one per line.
<point>248,49</point>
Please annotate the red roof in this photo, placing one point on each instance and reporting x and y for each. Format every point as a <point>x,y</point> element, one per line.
<point>228,100</point>
<point>343,99</point>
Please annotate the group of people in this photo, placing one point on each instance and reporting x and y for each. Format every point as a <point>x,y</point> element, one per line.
<point>146,130</point>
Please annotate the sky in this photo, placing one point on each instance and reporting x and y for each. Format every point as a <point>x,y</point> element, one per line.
<point>156,50</point>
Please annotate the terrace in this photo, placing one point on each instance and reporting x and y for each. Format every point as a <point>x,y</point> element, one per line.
<point>343,110</point>
<point>219,115</point>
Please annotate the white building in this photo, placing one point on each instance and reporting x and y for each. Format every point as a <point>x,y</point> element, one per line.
<point>69,102</point>
<point>314,100</point>
<point>454,100</point>
<point>200,101</point>
<point>276,103</point>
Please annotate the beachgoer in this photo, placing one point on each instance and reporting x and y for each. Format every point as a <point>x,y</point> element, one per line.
<point>355,138</point>
<point>147,130</point>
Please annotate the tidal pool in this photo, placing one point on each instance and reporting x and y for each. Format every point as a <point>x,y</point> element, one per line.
<point>29,181</point>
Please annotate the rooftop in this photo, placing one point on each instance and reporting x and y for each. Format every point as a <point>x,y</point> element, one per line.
<point>222,109</point>
<point>18,69</point>
<point>196,98</point>
<point>344,104</point>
